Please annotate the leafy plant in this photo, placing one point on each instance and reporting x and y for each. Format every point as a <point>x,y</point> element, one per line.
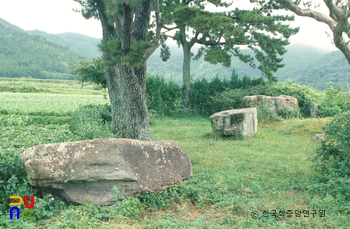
<point>91,121</point>
<point>47,207</point>
<point>163,98</point>
<point>336,100</point>
<point>332,160</point>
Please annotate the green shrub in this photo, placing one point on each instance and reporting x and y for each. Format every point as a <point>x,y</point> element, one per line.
<point>332,160</point>
<point>5,222</point>
<point>306,95</point>
<point>91,121</point>
<point>47,207</point>
<point>163,98</point>
<point>266,115</point>
<point>16,135</point>
<point>209,97</point>
<point>164,199</point>
<point>232,98</point>
<point>335,101</point>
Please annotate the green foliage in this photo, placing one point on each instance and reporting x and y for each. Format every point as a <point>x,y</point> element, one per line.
<point>83,216</point>
<point>17,134</point>
<point>113,48</point>
<point>217,95</point>
<point>163,200</point>
<point>230,179</point>
<point>332,160</point>
<point>5,222</point>
<point>231,94</point>
<point>210,97</point>
<point>91,121</point>
<point>306,95</point>
<point>47,207</point>
<point>134,57</point>
<point>223,34</point>
<point>163,98</point>
<point>335,101</point>
<point>91,71</point>
<point>266,115</point>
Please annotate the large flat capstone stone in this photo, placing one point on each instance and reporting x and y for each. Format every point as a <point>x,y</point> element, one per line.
<point>235,122</point>
<point>87,170</point>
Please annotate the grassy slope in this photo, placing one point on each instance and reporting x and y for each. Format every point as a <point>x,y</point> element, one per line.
<point>269,171</point>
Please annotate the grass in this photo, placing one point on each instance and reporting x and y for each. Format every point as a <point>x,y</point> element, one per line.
<point>233,180</point>
<point>42,103</point>
<point>269,171</point>
<point>47,86</point>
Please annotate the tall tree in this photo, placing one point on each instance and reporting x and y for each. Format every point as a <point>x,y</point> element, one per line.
<point>338,19</point>
<point>223,34</point>
<point>128,41</point>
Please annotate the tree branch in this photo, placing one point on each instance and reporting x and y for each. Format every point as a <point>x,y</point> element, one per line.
<point>168,28</point>
<point>337,22</point>
<point>309,13</point>
<point>151,50</point>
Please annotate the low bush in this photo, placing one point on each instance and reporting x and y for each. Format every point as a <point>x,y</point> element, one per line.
<point>332,160</point>
<point>335,101</point>
<point>163,98</point>
<point>91,121</point>
<point>232,98</point>
<point>209,97</point>
<point>306,95</point>
<point>16,135</point>
<point>266,115</point>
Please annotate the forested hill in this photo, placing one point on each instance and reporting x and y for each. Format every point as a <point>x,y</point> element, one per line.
<point>303,64</point>
<point>41,55</point>
<point>81,44</point>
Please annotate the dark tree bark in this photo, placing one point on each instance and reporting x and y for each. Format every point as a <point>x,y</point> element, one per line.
<point>186,69</point>
<point>126,79</point>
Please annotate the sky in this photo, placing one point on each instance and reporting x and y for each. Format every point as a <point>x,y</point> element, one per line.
<point>57,16</point>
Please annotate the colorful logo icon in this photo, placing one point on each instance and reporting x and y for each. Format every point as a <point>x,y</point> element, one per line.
<point>16,201</point>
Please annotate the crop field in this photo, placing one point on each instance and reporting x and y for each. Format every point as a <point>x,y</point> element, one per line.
<point>45,103</point>
<point>46,86</point>
<point>263,181</point>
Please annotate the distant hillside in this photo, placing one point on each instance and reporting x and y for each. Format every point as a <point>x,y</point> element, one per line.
<point>303,64</point>
<point>317,70</point>
<point>28,54</point>
<point>42,55</point>
<point>84,45</point>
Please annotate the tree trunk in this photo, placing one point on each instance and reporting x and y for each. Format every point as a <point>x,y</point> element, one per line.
<point>126,84</point>
<point>186,70</point>
<point>127,96</point>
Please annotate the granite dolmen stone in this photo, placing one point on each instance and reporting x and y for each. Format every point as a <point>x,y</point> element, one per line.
<point>281,104</point>
<point>87,170</point>
<point>235,122</point>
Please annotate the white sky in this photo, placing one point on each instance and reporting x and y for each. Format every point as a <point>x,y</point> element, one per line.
<point>57,16</point>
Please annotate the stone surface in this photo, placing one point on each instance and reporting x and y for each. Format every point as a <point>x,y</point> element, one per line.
<point>280,104</point>
<point>314,110</point>
<point>317,138</point>
<point>235,122</point>
<point>87,170</point>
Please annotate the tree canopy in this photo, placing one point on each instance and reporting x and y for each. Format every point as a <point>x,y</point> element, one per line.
<point>227,34</point>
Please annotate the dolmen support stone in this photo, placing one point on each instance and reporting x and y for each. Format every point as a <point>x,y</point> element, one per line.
<point>235,122</point>
<point>87,170</point>
<point>281,104</point>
